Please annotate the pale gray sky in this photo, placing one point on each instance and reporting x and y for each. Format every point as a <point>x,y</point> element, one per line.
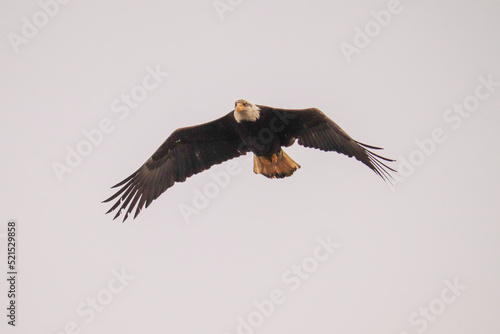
<point>419,78</point>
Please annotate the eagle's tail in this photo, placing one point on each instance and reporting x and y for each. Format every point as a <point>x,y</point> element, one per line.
<point>278,165</point>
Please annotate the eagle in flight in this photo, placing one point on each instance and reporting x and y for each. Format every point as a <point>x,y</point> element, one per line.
<point>252,128</point>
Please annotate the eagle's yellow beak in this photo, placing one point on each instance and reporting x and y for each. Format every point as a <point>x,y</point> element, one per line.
<point>239,107</point>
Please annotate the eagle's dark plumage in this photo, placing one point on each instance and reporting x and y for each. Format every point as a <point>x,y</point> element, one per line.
<point>249,128</point>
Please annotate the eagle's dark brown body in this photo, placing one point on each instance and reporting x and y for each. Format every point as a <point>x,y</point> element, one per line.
<point>194,149</point>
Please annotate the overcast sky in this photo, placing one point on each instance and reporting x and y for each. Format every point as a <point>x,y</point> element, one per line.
<point>89,90</point>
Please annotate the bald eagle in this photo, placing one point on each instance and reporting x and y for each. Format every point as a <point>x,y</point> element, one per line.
<point>252,128</point>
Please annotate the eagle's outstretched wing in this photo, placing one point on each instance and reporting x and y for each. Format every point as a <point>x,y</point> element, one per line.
<point>314,129</point>
<point>186,152</point>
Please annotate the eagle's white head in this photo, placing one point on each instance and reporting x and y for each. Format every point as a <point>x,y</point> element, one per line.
<point>246,111</point>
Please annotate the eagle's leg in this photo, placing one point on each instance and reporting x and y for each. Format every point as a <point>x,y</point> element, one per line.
<point>267,160</point>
